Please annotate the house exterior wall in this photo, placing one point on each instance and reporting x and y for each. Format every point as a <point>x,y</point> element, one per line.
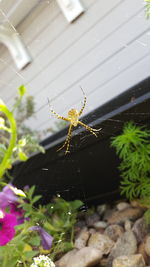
<point>105,51</point>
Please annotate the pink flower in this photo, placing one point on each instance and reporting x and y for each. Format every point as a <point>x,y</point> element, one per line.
<point>8,199</point>
<point>7,227</point>
<point>18,212</point>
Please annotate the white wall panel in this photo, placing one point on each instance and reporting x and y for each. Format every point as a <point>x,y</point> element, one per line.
<point>101,76</point>
<point>106,51</point>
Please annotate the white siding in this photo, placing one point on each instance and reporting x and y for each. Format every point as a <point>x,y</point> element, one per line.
<point>106,51</point>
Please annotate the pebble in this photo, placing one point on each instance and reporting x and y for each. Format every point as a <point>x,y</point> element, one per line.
<point>141,229</point>
<point>137,203</point>
<point>103,262</point>
<point>114,231</point>
<point>126,214</point>
<point>126,245</point>
<point>92,230</point>
<point>64,259</point>
<point>100,225</point>
<point>122,206</point>
<point>141,250</point>
<point>80,224</point>
<point>101,242</point>
<point>85,257</point>
<point>101,209</point>
<point>128,225</point>
<point>81,240</point>
<point>108,214</point>
<point>147,245</point>
<point>129,261</point>
<point>91,219</point>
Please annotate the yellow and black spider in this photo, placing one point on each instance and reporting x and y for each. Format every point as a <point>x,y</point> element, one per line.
<point>73,118</point>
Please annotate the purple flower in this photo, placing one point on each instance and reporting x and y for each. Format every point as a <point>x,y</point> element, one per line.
<point>7,196</point>
<point>26,188</point>
<point>46,239</point>
<point>7,230</point>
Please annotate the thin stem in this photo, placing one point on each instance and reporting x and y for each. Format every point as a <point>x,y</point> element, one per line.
<point>24,264</point>
<point>72,235</point>
<point>12,143</point>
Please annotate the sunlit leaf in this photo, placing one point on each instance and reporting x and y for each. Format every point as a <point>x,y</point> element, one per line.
<point>22,90</point>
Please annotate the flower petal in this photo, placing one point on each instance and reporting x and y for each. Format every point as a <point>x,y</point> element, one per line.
<point>46,239</point>
<point>7,231</point>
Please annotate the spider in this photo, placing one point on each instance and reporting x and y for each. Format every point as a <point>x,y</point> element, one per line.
<point>73,118</point>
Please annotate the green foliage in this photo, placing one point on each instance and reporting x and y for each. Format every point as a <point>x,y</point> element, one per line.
<point>62,218</point>
<point>147,8</point>
<point>133,148</point>
<point>57,218</point>
<point>17,141</point>
<point>7,152</point>
<point>22,90</point>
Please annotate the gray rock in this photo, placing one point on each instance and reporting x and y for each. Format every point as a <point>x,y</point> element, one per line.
<point>103,262</point>
<point>64,259</point>
<point>147,245</point>
<point>126,214</point>
<point>100,225</point>
<point>85,257</point>
<point>126,245</point>
<point>114,231</point>
<point>101,242</point>
<point>128,225</point>
<point>80,224</point>
<point>81,240</point>
<point>137,204</point>
<point>129,261</point>
<point>141,229</point>
<point>101,209</point>
<point>108,214</point>
<point>122,205</point>
<point>92,230</point>
<point>141,250</point>
<point>91,219</point>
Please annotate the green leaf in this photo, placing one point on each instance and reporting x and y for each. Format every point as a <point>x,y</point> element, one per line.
<point>35,199</point>
<point>22,90</point>
<point>76,204</point>
<point>22,142</point>
<point>22,156</point>
<point>35,241</point>
<point>30,254</point>
<point>31,191</point>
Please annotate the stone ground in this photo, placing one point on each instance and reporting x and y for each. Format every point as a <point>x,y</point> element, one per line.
<point>115,236</point>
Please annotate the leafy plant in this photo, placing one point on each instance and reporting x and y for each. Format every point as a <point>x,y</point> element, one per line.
<point>57,219</point>
<point>14,146</point>
<point>62,218</point>
<point>6,153</point>
<point>133,148</point>
<point>147,8</point>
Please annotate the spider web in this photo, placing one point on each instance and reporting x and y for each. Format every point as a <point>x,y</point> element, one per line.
<point>55,175</point>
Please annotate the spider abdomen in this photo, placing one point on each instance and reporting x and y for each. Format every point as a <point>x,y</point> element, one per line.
<point>73,116</point>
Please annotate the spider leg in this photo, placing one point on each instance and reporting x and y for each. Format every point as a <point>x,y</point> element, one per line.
<point>67,142</point>
<point>69,139</point>
<point>96,130</point>
<point>81,110</point>
<point>91,130</point>
<point>56,114</point>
